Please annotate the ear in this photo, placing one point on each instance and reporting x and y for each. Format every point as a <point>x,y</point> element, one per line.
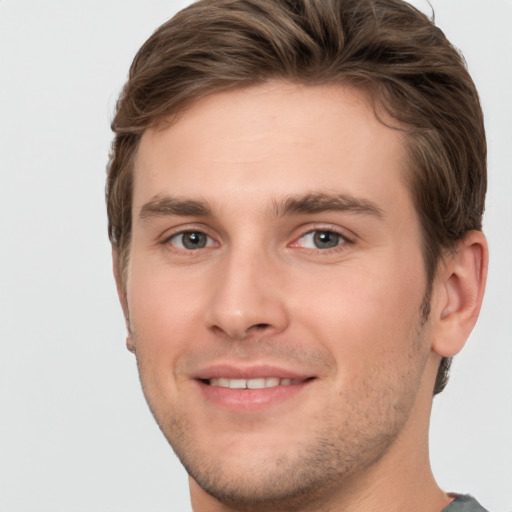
<point>459,290</point>
<point>121,293</point>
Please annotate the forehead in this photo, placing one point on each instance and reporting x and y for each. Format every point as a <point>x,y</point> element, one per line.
<point>274,139</point>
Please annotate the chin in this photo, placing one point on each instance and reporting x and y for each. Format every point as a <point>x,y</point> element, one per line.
<point>275,486</point>
<point>268,478</point>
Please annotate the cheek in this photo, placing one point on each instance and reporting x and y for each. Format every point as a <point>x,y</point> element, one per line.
<point>165,315</point>
<point>364,316</point>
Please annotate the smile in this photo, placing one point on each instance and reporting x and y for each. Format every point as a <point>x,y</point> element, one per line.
<point>250,389</point>
<point>254,383</point>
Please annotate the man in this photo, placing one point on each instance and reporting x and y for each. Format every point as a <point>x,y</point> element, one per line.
<point>295,196</point>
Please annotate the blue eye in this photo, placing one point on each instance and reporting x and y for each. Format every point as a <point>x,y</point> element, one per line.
<point>191,240</point>
<point>321,239</point>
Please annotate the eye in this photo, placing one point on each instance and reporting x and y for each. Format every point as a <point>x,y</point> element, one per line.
<point>321,239</point>
<point>191,240</point>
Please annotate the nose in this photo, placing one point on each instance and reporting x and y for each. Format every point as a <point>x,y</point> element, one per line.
<point>247,297</point>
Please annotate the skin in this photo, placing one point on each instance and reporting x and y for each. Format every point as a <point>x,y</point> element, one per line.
<point>262,292</point>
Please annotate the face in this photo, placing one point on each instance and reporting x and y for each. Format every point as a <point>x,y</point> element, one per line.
<point>274,290</point>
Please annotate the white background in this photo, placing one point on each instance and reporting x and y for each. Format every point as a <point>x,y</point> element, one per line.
<point>75,433</point>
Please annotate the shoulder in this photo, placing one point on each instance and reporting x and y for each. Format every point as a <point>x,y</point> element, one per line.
<point>464,503</point>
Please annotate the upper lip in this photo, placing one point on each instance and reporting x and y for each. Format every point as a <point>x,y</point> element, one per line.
<point>237,371</point>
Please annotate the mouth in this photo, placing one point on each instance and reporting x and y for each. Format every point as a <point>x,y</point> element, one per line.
<point>253,383</point>
<point>251,389</point>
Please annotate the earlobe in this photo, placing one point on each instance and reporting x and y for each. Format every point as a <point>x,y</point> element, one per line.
<point>121,293</point>
<point>459,293</point>
<point>130,345</point>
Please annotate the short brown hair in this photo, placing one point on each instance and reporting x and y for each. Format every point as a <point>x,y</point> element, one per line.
<point>385,47</point>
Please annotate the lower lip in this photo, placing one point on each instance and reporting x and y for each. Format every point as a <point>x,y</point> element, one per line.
<point>251,400</point>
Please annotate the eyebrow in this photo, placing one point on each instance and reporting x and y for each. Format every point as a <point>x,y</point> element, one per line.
<point>167,205</point>
<point>163,206</point>
<point>323,202</point>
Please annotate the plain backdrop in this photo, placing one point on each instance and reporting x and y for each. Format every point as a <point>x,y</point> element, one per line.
<point>75,432</point>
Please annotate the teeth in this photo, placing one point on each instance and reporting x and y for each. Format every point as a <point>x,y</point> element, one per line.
<point>258,383</point>
<point>237,383</point>
<point>272,382</point>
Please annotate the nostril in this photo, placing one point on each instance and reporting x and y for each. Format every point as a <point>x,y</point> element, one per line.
<point>261,326</point>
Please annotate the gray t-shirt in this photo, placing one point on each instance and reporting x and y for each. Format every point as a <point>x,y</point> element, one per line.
<point>464,503</point>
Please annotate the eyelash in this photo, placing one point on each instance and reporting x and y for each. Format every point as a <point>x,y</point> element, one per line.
<point>341,244</point>
<point>191,230</point>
